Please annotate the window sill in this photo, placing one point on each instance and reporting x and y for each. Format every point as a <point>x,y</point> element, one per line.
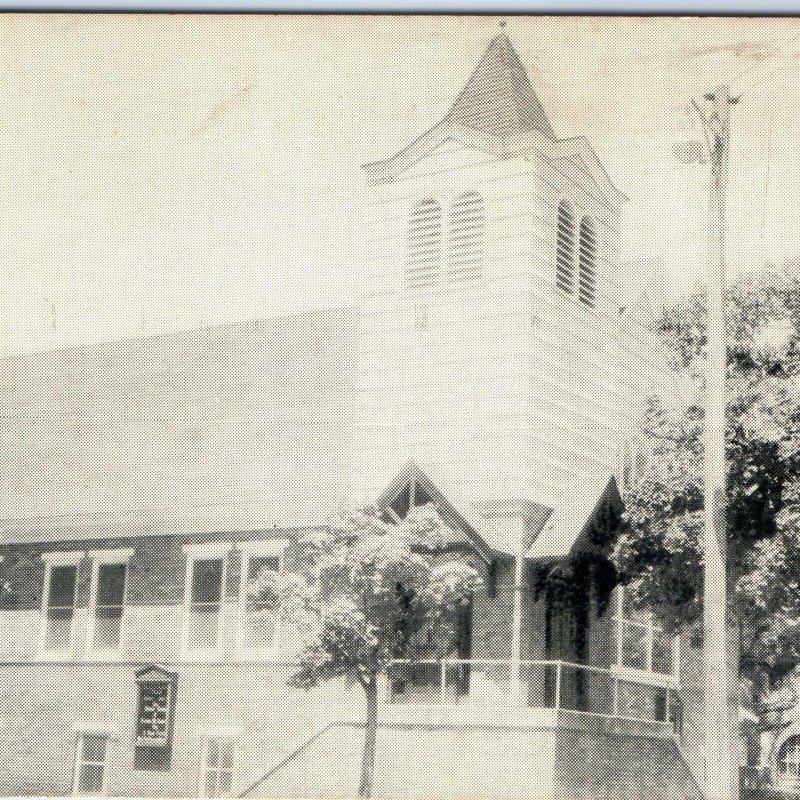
<point>643,676</point>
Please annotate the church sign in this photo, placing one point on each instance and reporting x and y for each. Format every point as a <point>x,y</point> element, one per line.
<point>155,709</point>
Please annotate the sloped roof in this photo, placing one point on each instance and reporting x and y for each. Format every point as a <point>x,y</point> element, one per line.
<point>250,423</point>
<point>573,511</point>
<point>499,97</point>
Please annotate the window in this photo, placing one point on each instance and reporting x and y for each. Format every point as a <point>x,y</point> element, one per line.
<point>642,644</point>
<point>58,602</point>
<point>90,764</point>
<point>789,762</point>
<point>205,581</point>
<point>107,600</point>
<point>465,238</point>
<point>424,245</point>
<point>565,247</point>
<point>259,629</point>
<point>217,773</point>
<point>587,257</point>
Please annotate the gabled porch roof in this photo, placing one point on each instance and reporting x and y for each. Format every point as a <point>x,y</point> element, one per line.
<point>550,531</point>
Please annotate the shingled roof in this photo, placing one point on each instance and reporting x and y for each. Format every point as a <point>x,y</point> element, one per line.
<point>499,98</point>
<point>497,112</point>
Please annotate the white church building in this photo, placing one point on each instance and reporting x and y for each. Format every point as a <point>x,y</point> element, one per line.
<point>490,368</point>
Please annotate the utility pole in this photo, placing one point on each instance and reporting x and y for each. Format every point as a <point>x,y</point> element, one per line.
<point>720,782</point>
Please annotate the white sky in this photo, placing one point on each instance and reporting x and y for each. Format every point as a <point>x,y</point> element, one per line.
<point>173,171</point>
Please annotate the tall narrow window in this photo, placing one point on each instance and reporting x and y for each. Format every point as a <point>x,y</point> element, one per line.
<point>565,247</point>
<point>424,245</point>
<point>107,600</point>
<point>587,260</point>
<point>217,774</point>
<point>205,603</point>
<point>259,626</point>
<point>59,603</point>
<point>90,764</point>
<point>110,604</point>
<point>465,238</point>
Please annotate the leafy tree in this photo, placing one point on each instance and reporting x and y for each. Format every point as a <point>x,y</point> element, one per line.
<point>661,543</point>
<point>366,592</point>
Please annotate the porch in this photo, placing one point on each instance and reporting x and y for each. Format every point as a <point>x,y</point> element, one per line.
<point>529,690</point>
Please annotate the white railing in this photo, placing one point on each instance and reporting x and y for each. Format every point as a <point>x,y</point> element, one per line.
<point>559,685</point>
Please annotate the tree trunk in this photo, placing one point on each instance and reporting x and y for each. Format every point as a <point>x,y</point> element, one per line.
<point>370,738</point>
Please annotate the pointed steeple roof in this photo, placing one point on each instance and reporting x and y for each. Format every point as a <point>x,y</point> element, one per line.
<point>498,112</point>
<point>499,98</point>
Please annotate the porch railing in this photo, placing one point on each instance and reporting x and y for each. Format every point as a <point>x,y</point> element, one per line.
<point>538,684</point>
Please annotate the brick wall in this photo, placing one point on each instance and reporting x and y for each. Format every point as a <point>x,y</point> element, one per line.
<point>43,706</point>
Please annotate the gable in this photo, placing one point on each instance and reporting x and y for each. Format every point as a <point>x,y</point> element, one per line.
<point>413,489</point>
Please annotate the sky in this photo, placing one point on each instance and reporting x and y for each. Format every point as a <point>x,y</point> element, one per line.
<point>161,172</point>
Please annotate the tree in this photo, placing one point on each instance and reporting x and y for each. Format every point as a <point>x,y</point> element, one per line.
<point>366,592</point>
<point>659,552</point>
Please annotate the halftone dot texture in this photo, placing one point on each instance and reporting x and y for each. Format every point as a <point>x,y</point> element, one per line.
<point>492,378</point>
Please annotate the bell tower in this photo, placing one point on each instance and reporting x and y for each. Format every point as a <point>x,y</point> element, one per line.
<point>494,353</point>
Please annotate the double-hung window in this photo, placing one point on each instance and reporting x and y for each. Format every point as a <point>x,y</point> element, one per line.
<point>216,778</point>
<point>107,601</point>
<point>642,644</point>
<point>58,603</point>
<point>206,572</point>
<point>258,629</point>
<point>90,764</point>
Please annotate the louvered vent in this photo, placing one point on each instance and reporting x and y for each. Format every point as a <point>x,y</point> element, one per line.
<point>587,260</point>
<point>465,238</point>
<point>565,247</point>
<point>424,245</point>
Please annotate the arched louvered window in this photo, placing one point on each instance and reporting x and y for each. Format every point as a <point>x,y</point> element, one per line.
<point>424,245</point>
<point>587,262</point>
<point>465,238</point>
<point>565,247</point>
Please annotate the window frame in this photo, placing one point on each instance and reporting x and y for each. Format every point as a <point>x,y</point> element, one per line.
<point>81,762</point>
<point>220,738</point>
<point>100,558</point>
<point>54,560</point>
<point>217,551</point>
<point>650,627</point>
<point>268,548</point>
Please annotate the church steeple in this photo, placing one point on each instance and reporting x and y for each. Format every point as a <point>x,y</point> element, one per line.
<point>499,98</point>
<point>498,112</point>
